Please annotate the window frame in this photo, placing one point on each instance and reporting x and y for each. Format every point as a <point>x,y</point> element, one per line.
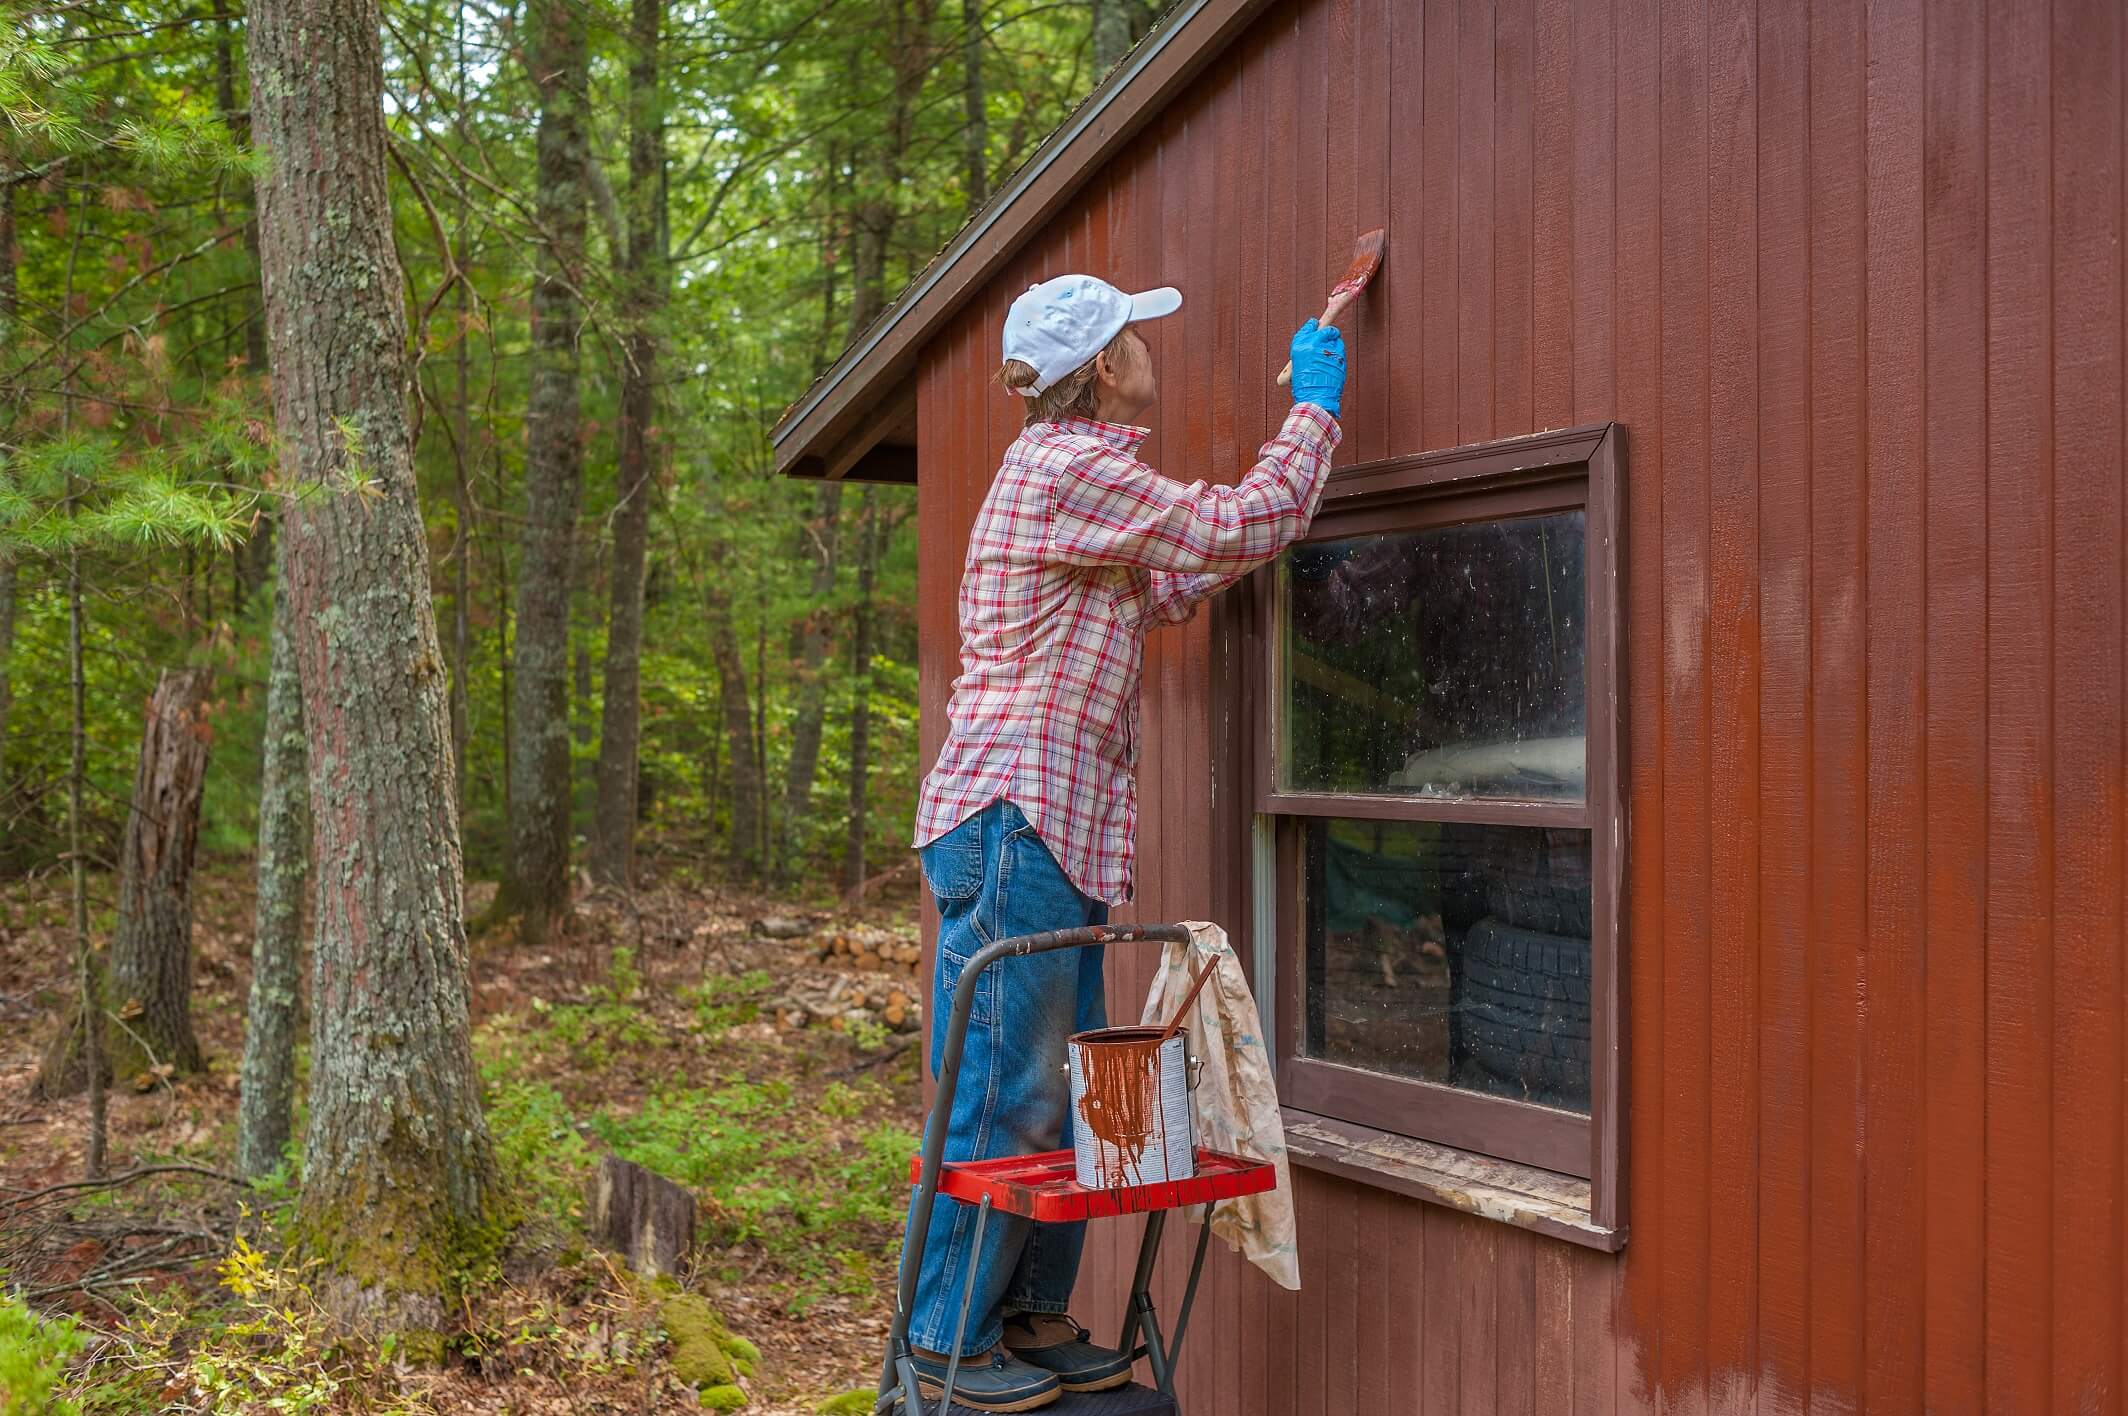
<point>1578,468</point>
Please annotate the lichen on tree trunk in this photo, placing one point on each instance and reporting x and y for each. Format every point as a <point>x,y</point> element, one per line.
<point>147,988</point>
<point>268,1075</point>
<point>400,1186</point>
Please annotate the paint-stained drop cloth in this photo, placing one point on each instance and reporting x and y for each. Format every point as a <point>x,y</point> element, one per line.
<point>1236,1102</point>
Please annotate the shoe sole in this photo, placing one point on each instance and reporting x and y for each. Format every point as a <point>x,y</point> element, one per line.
<point>1105,1384</point>
<point>962,1398</point>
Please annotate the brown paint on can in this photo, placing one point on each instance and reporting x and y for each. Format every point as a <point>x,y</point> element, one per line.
<point>1121,1070</point>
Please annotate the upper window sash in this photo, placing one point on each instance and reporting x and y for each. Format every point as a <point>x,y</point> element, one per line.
<point>1542,473</point>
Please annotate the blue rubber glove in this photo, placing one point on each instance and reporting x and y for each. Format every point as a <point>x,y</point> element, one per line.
<point>1318,354</point>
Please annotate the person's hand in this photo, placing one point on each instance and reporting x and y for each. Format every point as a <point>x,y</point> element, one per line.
<point>1318,354</point>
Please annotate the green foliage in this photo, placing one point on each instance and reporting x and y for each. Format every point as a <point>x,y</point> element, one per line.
<point>536,1142</point>
<point>270,1356</point>
<point>870,1036</point>
<point>84,490</point>
<point>849,1403</point>
<point>722,1398</point>
<point>722,1001</point>
<point>798,1174</point>
<point>131,379</point>
<point>34,1352</point>
<point>826,1208</point>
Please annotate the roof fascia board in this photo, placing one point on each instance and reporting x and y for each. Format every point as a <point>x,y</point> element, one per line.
<point>872,429</point>
<point>1191,37</point>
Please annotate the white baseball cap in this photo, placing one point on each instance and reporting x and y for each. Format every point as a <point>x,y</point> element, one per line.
<point>1060,324</point>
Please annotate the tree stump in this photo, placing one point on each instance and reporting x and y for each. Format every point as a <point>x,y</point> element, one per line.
<point>148,986</point>
<point>641,1215</point>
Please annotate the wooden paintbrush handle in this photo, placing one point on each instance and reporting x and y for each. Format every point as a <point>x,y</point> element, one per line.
<point>1331,311</point>
<point>1174,1024</point>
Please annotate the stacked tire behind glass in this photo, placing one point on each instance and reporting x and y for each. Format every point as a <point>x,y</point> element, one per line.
<point>1522,991</point>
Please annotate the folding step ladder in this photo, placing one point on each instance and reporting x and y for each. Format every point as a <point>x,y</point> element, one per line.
<point>1043,1188</point>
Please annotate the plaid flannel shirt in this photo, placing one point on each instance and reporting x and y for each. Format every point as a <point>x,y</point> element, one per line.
<point>1079,549</point>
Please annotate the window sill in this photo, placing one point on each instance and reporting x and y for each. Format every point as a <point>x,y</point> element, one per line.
<point>1521,1195</point>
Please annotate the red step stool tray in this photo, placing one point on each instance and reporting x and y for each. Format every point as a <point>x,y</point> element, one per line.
<point>1044,1187</point>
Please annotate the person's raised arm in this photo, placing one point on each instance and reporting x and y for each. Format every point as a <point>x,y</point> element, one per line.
<point>1112,509</point>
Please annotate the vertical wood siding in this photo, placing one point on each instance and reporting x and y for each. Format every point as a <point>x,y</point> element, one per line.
<point>1854,278</point>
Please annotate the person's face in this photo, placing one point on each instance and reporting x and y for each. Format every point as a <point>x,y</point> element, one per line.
<point>1124,387</point>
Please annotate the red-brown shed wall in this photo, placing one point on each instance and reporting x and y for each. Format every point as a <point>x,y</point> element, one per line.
<point>1853,278</point>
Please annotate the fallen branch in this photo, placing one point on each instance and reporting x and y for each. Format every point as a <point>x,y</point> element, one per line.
<point>123,1267</point>
<point>885,1054</point>
<point>855,896</point>
<point>141,1172</point>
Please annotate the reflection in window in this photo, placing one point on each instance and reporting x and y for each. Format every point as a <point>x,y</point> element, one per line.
<point>1450,953</point>
<point>1443,662</point>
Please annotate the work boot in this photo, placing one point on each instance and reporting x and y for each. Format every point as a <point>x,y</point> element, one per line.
<point>987,1381</point>
<point>1056,1344</point>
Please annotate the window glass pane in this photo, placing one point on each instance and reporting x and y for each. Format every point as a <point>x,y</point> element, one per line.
<point>1450,953</point>
<point>1445,662</point>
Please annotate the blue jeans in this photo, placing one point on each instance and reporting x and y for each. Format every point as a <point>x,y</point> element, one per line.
<point>994,879</point>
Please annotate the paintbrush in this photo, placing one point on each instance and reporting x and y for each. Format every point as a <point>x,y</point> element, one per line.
<point>1366,260</point>
<point>1188,998</point>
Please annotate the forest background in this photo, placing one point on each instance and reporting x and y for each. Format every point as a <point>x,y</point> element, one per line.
<point>675,694</point>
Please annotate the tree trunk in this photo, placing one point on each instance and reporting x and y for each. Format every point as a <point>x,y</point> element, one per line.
<point>535,886</point>
<point>813,633</point>
<point>87,974</point>
<point>461,457</point>
<point>875,220</point>
<point>239,123</point>
<point>254,556</point>
<point>761,843</point>
<point>1117,25</point>
<point>7,655</point>
<point>150,985</point>
<point>400,1182</point>
<point>643,281</point>
<point>580,704</point>
<point>976,131</point>
<point>7,360</point>
<point>738,718</point>
<point>268,1076</point>
<point>88,980</point>
<point>147,991</point>
<point>878,207</point>
<point>503,661</point>
<point>868,553</point>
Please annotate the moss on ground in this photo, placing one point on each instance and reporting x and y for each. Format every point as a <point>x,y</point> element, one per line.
<point>723,1398</point>
<point>705,1353</point>
<point>850,1403</point>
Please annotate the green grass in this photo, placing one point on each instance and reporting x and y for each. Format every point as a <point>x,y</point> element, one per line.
<point>799,1173</point>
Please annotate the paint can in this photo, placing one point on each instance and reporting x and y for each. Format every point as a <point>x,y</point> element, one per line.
<point>1130,1108</point>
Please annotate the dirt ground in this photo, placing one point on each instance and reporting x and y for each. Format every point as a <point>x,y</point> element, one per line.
<point>703,1013</point>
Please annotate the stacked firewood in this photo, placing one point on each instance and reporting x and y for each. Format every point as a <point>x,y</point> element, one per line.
<point>870,949</point>
<point>848,1002</point>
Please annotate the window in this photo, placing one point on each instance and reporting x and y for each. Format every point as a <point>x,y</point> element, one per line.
<point>1440,787</point>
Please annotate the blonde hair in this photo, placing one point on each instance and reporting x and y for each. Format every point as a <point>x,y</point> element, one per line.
<point>1073,395</point>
